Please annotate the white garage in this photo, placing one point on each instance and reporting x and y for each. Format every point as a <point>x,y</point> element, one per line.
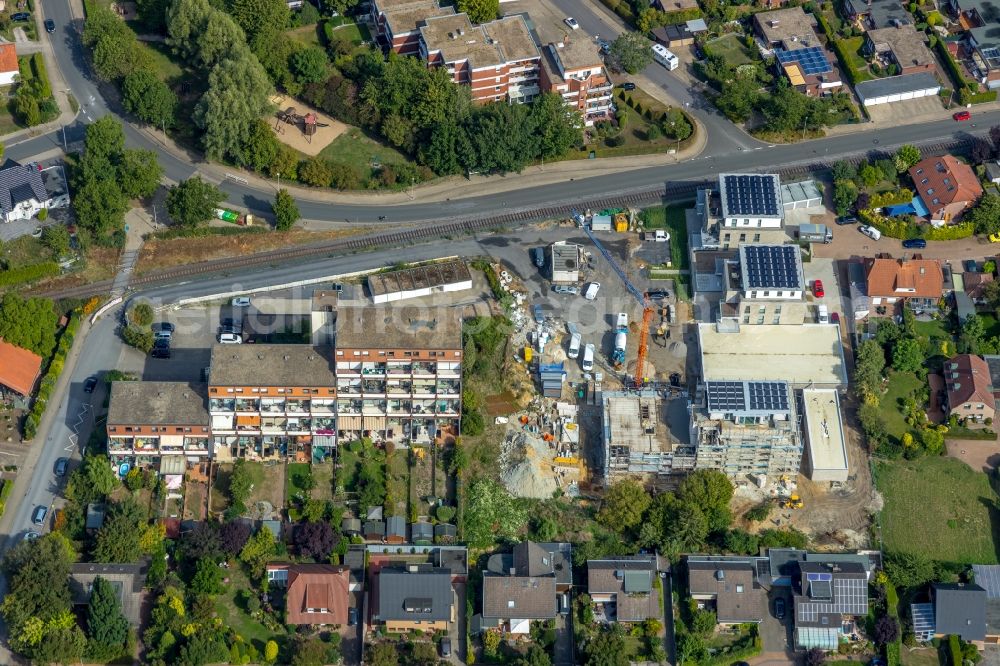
<point>897,89</point>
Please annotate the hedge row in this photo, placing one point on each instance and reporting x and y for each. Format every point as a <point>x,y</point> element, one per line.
<point>949,63</point>
<point>955,650</point>
<point>679,16</point>
<point>51,377</point>
<point>903,228</point>
<point>28,273</point>
<point>744,654</point>
<point>880,199</point>
<point>622,9</point>
<point>966,96</point>
<point>5,489</point>
<point>964,86</point>
<point>854,76</point>
<point>38,68</point>
<point>951,232</point>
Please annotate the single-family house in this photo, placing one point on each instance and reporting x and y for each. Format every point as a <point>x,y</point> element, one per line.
<point>19,370</point>
<point>9,70</point>
<point>317,593</point>
<point>901,46</point>
<point>947,186</point>
<point>415,597</point>
<point>987,576</point>
<point>625,589</point>
<point>959,609</point>
<point>872,14</point>
<point>28,188</point>
<point>917,282</point>
<point>524,585</point>
<point>127,580</point>
<point>974,285</point>
<point>730,585</point>
<point>969,387</point>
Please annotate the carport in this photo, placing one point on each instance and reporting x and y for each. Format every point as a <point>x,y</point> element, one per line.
<point>897,89</point>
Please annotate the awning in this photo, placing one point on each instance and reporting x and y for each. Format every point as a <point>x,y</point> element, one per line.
<point>324,440</point>
<point>349,423</point>
<point>375,422</point>
<point>248,419</point>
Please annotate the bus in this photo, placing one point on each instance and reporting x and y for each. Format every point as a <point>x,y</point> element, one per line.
<point>662,55</point>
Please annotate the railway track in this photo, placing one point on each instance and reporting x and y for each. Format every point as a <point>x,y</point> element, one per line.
<point>670,191</point>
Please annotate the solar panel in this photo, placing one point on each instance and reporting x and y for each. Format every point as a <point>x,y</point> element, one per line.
<point>726,396</point>
<point>818,576</point>
<point>811,60</point>
<point>751,195</point>
<point>771,266</point>
<point>770,397</point>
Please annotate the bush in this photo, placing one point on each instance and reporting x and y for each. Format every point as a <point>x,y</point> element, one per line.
<point>951,232</point>
<point>41,76</point>
<point>955,650</point>
<point>965,97</point>
<point>43,214</point>
<point>141,314</point>
<point>30,273</point>
<point>881,199</point>
<point>949,64</point>
<point>139,338</point>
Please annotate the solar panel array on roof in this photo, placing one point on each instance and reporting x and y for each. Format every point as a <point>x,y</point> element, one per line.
<point>726,396</point>
<point>811,60</point>
<point>752,195</point>
<point>771,266</point>
<point>768,396</point>
<point>818,576</point>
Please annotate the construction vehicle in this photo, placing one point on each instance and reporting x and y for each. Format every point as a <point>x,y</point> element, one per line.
<point>621,339</point>
<point>234,217</point>
<point>793,502</point>
<point>639,380</point>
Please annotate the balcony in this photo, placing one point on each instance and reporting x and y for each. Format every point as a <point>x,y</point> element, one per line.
<point>396,368</point>
<point>423,406</point>
<point>120,445</point>
<point>247,405</point>
<point>448,406</point>
<point>321,424</point>
<point>373,386</point>
<point>273,425</point>
<point>400,406</point>
<point>146,444</point>
<point>303,426</point>
<point>349,388</point>
<point>424,368</point>
<point>273,407</point>
<point>424,388</point>
<point>449,369</point>
<point>399,388</point>
<point>323,406</point>
<point>221,405</point>
<point>373,407</point>
<point>348,369</point>
<point>448,387</point>
<point>196,446</point>
<point>297,406</point>
<point>349,407</point>
<point>369,369</point>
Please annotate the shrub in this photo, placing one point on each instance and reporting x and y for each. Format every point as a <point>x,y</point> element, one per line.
<point>139,338</point>
<point>43,214</point>
<point>30,273</point>
<point>952,232</point>
<point>41,76</point>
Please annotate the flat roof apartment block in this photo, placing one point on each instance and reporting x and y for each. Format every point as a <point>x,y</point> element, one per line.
<point>746,427</point>
<point>751,200</point>
<point>574,70</point>
<point>397,22</point>
<point>445,276</point>
<point>824,431</point>
<point>148,420</point>
<point>771,271</point>
<point>637,439</point>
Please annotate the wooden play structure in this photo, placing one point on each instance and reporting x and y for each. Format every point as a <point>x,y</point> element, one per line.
<point>306,124</point>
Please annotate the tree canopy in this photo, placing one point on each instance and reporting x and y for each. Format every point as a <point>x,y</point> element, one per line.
<point>286,211</point>
<point>625,502</point>
<point>480,11</point>
<point>193,201</point>
<point>106,623</point>
<point>631,52</point>
<point>491,514</point>
<point>29,323</point>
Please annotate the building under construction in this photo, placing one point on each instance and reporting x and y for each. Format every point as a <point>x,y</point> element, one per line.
<point>746,427</point>
<point>638,442</point>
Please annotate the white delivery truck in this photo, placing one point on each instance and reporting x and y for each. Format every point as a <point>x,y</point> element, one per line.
<point>588,357</point>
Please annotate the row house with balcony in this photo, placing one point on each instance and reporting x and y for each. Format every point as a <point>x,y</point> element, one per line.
<point>399,374</point>
<point>272,402</point>
<point>150,422</point>
<point>497,60</point>
<point>574,70</point>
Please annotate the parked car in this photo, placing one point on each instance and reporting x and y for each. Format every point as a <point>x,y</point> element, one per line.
<point>163,335</point>
<point>962,116</point>
<point>564,289</point>
<point>539,315</point>
<point>628,85</point>
<point>229,338</point>
<point>846,219</point>
<point>50,25</point>
<point>591,292</point>
<point>915,243</point>
<point>538,257</point>
<point>835,318</point>
<point>241,302</point>
<point>818,290</point>
<point>61,466</point>
<point>571,22</point>
<point>20,16</point>
<point>31,536</point>
<point>446,647</point>
<point>165,326</point>
<point>870,231</point>
<point>995,238</point>
<point>38,517</point>
<point>161,343</point>
<point>779,608</point>
<point>658,294</point>
<point>970,266</point>
<point>162,352</point>
<point>605,47</point>
<point>89,384</point>
<point>352,616</point>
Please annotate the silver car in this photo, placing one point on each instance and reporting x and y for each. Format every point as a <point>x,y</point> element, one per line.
<point>565,289</point>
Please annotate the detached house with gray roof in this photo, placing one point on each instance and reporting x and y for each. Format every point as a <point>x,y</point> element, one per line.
<point>26,189</point>
<point>525,585</point>
<point>625,589</point>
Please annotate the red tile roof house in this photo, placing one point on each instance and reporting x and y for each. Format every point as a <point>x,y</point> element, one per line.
<point>917,282</point>
<point>970,388</point>
<point>9,71</point>
<point>317,593</point>
<point>19,370</point>
<point>975,286</point>
<point>947,186</point>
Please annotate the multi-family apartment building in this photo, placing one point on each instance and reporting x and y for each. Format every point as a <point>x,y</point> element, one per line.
<point>981,45</point>
<point>574,70</point>
<point>397,22</point>
<point>765,285</point>
<point>745,208</point>
<point>394,375</point>
<point>497,60</point>
<point>638,442</point>
<point>148,421</point>
<point>746,427</point>
<point>399,374</point>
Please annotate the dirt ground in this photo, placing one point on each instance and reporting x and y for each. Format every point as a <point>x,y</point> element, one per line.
<point>126,10</point>
<point>195,501</point>
<point>978,454</point>
<point>293,136</point>
<point>101,264</point>
<point>160,254</point>
<point>323,474</point>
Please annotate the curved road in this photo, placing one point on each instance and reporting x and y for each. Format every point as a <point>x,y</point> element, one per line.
<point>729,149</point>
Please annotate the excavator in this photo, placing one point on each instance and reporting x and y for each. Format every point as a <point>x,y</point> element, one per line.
<point>792,502</point>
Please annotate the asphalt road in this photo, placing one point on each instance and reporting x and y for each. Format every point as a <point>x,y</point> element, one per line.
<point>729,149</point>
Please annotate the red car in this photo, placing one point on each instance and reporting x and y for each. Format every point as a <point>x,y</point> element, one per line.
<point>962,116</point>
<point>818,289</point>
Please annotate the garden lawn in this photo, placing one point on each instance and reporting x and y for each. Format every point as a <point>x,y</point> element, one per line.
<point>357,150</point>
<point>166,67</point>
<point>901,385</point>
<point>324,481</point>
<point>349,467</point>
<point>852,47</point>
<point>233,616</point>
<point>671,218</point>
<point>295,473</point>
<point>731,48</point>
<point>990,324</point>
<point>397,481</point>
<point>939,508</point>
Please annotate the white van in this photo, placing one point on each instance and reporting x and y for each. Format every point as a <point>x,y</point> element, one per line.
<point>588,357</point>
<point>822,314</point>
<point>663,55</point>
<point>591,292</point>
<point>574,345</point>
<point>871,232</point>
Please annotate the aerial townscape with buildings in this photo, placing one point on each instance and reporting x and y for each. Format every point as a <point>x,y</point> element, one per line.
<point>553,333</point>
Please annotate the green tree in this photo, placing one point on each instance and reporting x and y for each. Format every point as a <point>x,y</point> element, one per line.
<point>148,98</point>
<point>139,173</point>
<point>286,212</point>
<point>309,65</point>
<point>907,356</point>
<point>29,323</point>
<point>315,172</point>
<point>710,491</point>
<point>624,505</point>
<point>141,314</point>
<point>985,217</point>
<point>259,549</point>
<point>868,369</point>
<point>630,52</point>
<point>26,107</point>
<point>38,589</point>
<point>449,150</point>
<point>869,175</point>
<point>480,11</point>
<point>932,441</point>
<point>104,141</point>
<point>271,652</point>
<point>193,201</point>
<point>909,570</point>
<point>236,99</point>
<point>140,338</point>
<point>106,624</point>
<point>385,654</point>
<point>118,539</point>
<point>56,238</point>
<point>607,648</point>
<point>739,98</point>
<point>93,480</point>
<point>491,514</point>
<point>845,193</point>
<point>557,127</point>
<point>100,206</point>
<point>207,578</point>
<point>255,16</point>
<point>906,157</point>
<point>260,150</point>
<point>973,331</point>
<point>675,526</point>
<point>186,20</point>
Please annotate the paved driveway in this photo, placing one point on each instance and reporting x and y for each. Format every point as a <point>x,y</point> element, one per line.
<point>777,634</point>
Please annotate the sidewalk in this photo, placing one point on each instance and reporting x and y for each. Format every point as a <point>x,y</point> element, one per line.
<point>918,118</point>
